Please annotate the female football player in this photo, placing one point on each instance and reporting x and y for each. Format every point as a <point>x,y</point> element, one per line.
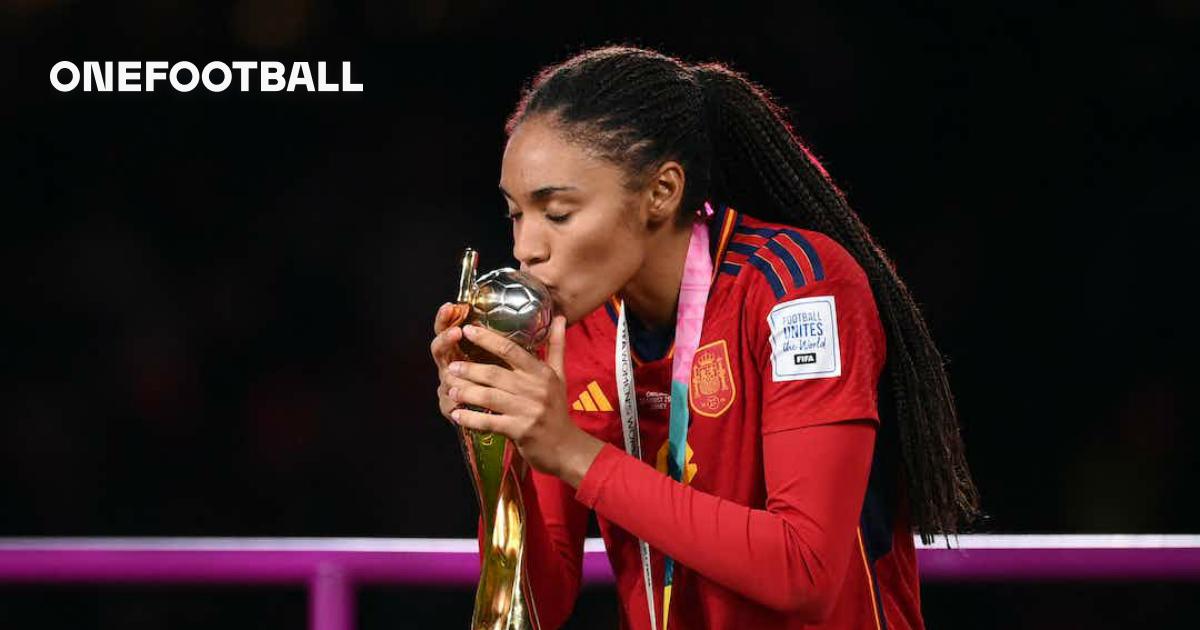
<point>738,384</point>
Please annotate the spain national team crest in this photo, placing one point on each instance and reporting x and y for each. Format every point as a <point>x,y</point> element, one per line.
<point>712,390</point>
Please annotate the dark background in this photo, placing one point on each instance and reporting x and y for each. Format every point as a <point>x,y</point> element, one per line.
<point>218,306</point>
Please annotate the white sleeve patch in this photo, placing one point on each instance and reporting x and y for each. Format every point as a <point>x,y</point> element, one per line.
<point>804,339</point>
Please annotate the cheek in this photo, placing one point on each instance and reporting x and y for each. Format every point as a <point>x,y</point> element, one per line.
<point>609,244</point>
<point>602,254</point>
<point>601,265</point>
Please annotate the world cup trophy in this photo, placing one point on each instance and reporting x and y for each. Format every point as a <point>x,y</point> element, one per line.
<point>519,307</point>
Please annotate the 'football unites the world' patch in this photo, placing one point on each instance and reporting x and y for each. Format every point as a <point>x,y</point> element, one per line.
<point>804,339</point>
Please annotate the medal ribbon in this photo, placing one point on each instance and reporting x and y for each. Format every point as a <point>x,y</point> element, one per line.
<point>689,319</point>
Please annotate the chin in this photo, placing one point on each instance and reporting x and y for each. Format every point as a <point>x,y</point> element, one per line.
<point>575,309</point>
<point>570,313</point>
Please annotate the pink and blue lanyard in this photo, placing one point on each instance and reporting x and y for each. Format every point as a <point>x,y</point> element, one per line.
<point>689,319</point>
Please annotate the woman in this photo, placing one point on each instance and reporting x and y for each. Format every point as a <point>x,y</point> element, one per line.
<point>670,208</point>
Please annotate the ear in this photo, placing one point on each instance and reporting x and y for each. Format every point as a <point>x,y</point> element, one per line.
<point>665,190</point>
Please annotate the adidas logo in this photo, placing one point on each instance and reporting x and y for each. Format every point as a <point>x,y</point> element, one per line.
<point>592,399</point>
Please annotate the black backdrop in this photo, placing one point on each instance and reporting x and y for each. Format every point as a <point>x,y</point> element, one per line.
<point>218,306</point>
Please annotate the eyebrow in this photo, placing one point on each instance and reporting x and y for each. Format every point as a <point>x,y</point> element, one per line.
<point>543,193</point>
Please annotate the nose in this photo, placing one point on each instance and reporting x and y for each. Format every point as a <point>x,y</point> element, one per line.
<point>530,246</point>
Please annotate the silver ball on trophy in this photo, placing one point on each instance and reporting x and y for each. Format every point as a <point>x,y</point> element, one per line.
<point>514,304</point>
<point>510,302</point>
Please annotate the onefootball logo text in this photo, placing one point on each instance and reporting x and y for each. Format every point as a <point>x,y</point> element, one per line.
<point>185,76</point>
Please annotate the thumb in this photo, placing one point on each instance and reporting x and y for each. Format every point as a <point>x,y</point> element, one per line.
<point>557,345</point>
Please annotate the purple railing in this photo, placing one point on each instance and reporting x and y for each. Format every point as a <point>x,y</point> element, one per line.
<point>332,569</point>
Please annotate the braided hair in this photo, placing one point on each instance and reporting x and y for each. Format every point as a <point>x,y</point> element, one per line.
<point>638,109</point>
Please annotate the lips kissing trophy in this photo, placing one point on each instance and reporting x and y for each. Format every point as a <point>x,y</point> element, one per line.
<point>519,307</point>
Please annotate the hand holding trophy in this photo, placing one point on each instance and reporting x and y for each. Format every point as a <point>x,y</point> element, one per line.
<point>517,306</point>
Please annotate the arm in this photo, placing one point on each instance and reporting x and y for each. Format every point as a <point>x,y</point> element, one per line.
<point>819,349</point>
<point>790,556</point>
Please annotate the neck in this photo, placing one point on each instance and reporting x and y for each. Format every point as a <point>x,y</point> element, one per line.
<point>653,293</point>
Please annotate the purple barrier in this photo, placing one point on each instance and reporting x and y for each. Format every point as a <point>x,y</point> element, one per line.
<point>331,569</point>
<point>1090,565</point>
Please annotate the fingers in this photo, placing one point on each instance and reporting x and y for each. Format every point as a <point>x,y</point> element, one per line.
<point>489,375</point>
<point>450,380</point>
<point>479,421</point>
<point>557,345</point>
<point>445,404</point>
<point>503,348</point>
<point>449,314</point>
<point>490,398</point>
<point>442,320</point>
<point>444,347</point>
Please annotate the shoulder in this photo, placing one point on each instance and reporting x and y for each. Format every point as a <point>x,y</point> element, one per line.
<point>787,261</point>
<point>802,290</point>
<point>813,324</point>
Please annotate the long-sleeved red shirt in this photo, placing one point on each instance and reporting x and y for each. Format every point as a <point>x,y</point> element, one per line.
<point>769,528</point>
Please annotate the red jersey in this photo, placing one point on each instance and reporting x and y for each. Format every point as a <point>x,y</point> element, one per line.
<point>774,524</point>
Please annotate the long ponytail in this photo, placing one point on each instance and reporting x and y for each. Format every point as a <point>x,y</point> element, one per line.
<point>760,163</point>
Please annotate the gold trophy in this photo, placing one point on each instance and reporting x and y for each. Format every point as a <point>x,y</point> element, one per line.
<point>518,306</point>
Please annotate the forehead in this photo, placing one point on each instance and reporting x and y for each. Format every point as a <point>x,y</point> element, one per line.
<point>538,155</point>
